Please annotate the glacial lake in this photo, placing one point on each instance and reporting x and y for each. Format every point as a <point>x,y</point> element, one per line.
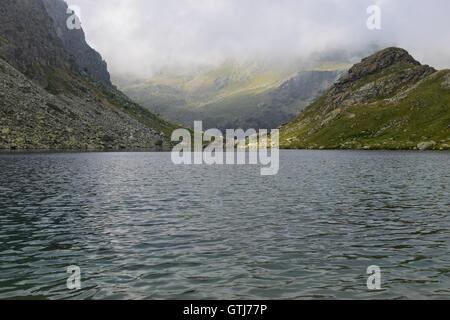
<point>139,227</point>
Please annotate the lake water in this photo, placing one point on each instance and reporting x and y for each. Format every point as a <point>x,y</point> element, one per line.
<point>142,228</point>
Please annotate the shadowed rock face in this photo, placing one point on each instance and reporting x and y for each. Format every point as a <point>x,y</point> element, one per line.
<point>28,40</point>
<point>287,101</point>
<point>34,36</point>
<point>88,60</point>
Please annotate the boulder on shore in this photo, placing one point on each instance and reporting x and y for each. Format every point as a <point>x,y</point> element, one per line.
<point>426,145</point>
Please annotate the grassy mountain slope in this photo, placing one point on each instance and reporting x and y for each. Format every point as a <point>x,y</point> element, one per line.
<point>388,101</point>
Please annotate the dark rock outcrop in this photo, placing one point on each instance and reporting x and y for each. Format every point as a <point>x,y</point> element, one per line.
<point>28,40</point>
<point>87,59</point>
<point>378,62</point>
<point>380,76</point>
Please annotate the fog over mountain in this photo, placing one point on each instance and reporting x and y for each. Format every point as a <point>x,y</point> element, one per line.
<point>141,36</point>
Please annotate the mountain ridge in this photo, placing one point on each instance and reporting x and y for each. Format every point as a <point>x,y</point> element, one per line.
<point>233,94</point>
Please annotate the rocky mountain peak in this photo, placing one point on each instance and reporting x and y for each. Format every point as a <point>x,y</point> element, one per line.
<point>383,75</point>
<point>378,62</point>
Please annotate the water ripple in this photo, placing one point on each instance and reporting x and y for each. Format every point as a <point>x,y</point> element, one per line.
<point>142,228</point>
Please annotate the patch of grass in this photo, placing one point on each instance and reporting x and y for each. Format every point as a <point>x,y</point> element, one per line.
<point>3,41</point>
<point>59,81</point>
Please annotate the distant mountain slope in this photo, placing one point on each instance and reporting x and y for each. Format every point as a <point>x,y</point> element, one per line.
<point>56,92</point>
<point>234,95</point>
<point>388,101</point>
<point>289,99</point>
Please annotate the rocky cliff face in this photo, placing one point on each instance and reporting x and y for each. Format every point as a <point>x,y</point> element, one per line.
<point>28,40</point>
<point>51,100</point>
<point>88,60</point>
<point>388,101</point>
<point>34,37</point>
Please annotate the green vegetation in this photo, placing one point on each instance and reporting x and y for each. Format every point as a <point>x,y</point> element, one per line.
<point>3,41</point>
<point>59,81</point>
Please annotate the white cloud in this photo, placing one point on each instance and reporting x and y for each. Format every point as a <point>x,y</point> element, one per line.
<point>141,36</point>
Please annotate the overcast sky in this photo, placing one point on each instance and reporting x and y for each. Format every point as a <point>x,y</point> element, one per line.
<point>141,36</point>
